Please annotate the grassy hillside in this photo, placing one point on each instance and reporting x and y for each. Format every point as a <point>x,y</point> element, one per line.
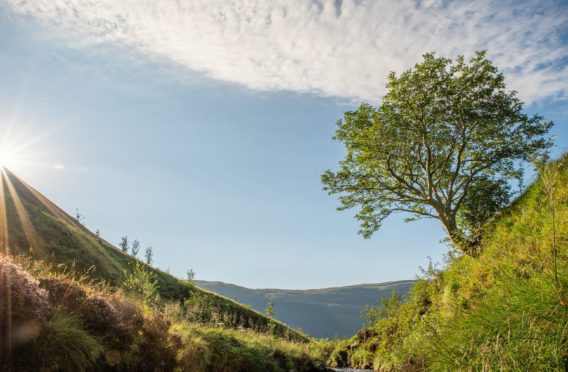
<point>326,312</point>
<point>505,310</point>
<point>57,322</point>
<point>35,226</point>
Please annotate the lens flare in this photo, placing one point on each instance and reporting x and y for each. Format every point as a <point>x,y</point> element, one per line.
<point>22,150</point>
<point>6,160</point>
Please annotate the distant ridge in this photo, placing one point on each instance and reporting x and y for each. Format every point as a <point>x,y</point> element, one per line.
<point>325,312</point>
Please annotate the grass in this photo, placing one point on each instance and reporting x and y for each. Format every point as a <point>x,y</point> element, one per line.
<point>505,310</point>
<point>63,345</point>
<point>214,349</point>
<point>90,325</point>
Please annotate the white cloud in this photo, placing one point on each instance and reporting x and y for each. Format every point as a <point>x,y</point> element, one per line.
<point>321,47</point>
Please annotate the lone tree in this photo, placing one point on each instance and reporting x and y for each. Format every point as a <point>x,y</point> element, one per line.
<point>269,309</point>
<point>149,255</point>
<point>79,217</point>
<point>190,275</point>
<point>444,143</point>
<point>135,247</point>
<point>124,244</point>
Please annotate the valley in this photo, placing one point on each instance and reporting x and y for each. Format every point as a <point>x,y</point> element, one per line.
<point>323,313</point>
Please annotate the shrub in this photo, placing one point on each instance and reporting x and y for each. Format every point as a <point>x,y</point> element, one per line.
<point>63,345</point>
<point>63,292</point>
<point>98,314</point>
<point>24,307</point>
<point>143,284</point>
<point>130,315</point>
<point>157,347</point>
<point>339,357</point>
<point>227,353</point>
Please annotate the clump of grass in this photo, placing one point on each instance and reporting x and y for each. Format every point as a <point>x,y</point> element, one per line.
<point>520,325</point>
<point>216,349</point>
<point>20,293</point>
<point>98,314</point>
<point>63,345</point>
<point>24,308</point>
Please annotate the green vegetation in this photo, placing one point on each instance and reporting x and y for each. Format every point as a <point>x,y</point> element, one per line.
<point>506,309</point>
<point>445,142</point>
<point>269,311</point>
<point>60,321</point>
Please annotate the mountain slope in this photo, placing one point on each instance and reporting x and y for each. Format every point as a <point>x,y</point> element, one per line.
<point>326,312</point>
<point>506,310</point>
<point>30,224</point>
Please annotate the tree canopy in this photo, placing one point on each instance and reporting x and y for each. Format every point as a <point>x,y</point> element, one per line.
<point>443,144</point>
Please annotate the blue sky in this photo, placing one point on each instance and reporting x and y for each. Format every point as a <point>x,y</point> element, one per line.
<point>202,128</point>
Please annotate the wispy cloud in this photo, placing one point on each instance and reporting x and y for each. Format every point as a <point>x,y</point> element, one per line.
<point>338,48</point>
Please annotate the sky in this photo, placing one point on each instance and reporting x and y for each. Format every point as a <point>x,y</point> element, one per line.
<point>201,128</point>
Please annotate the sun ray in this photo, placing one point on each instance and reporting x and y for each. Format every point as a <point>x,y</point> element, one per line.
<point>22,146</point>
<point>83,233</point>
<point>29,230</point>
<point>5,280</point>
<point>53,209</point>
<point>4,239</point>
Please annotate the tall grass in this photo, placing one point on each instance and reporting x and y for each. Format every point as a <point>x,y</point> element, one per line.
<point>63,344</point>
<point>506,310</point>
<point>519,326</point>
<point>80,325</point>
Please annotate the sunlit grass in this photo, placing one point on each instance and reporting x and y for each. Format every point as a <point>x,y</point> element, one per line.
<point>93,326</point>
<point>30,233</point>
<point>504,310</point>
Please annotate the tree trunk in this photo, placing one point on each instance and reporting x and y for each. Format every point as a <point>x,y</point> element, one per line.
<point>458,238</point>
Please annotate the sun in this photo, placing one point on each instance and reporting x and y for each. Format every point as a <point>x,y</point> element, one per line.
<point>10,158</point>
<point>22,150</point>
<point>5,159</point>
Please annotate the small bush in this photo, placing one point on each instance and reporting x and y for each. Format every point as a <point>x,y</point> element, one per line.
<point>64,345</point>
<point>98,314</point>
<point>156,345</point>
<point>143,285</point>
<point>339,357</point>
<point>24,307</point>
<point>130,314</point>
<point>63,292</point>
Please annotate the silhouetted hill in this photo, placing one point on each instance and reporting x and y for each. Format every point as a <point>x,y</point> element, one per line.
<point>326,312</point>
